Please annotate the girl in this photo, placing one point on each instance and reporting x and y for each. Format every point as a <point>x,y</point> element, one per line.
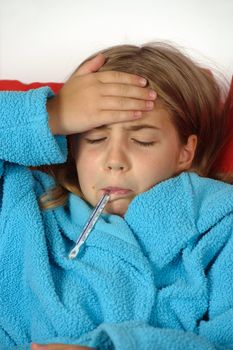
<point>156,272</point>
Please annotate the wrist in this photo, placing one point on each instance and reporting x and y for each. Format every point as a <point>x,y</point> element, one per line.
<point>52,109</point>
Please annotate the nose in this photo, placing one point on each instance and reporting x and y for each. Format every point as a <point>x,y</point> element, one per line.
<point>116,159</point>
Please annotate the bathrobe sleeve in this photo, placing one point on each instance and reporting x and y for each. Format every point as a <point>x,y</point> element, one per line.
<point>25,140</point>
<point>139,335</point>
<point>25,136</point>
<point>133,335</point>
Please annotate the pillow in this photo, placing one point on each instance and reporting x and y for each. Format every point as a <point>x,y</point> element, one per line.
<point>16,85</point>
<point>224,162</point>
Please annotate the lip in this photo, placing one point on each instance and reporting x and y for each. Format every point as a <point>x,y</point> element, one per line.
<point>116,190</point>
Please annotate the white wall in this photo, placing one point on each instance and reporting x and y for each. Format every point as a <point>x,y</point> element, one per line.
<point>44,40</point>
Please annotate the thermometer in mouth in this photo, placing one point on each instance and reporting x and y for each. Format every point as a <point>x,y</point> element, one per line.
<point>90,224</point>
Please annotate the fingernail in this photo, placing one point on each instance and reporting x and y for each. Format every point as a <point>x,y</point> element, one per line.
<point>152,94</point>
<point>142,81</point>
<point>35,346</point>
<point>137,114</point>
<point>149,104</point>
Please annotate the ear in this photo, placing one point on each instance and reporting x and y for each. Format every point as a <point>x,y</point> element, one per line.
<point>187,153</point>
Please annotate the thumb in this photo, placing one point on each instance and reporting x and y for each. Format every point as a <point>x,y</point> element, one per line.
<point>92,65</point>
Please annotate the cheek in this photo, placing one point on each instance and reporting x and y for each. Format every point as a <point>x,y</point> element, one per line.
<point>86,164</point>
<point>146,171</point>
<point>155,168</point>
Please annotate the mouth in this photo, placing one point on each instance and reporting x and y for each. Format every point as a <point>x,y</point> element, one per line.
<point>117,191</point>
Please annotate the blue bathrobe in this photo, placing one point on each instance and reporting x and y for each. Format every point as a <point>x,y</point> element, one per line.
<point>159,278</point>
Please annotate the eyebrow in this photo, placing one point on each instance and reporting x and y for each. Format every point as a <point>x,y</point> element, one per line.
<point>132,127</point>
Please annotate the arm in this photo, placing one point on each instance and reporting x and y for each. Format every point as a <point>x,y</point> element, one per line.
<point>86,101</point>
<point>25,137</point>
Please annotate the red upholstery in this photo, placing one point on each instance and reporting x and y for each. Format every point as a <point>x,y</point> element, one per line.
<point>16,85</point>
<point>225,160</point>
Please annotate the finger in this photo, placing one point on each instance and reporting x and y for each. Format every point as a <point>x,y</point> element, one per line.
<point>48,346</point>
<point>128,91</point>
<point>91,66</point>
<point>121,77</point>
<point>58,346</point>
<point>125,104</point>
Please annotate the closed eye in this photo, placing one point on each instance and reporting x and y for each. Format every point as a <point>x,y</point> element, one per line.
<point>95,140</point>
<point>140,143</point>
<point>143,144</point>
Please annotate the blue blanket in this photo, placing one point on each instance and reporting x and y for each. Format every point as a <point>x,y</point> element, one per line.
<point>159,278</point>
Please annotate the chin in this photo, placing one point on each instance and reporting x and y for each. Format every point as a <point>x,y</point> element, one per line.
<point>117,208</point>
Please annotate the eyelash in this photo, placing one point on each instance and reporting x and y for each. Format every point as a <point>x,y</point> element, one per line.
<point>139,143</point>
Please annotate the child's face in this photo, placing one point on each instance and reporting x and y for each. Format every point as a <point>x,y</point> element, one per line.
<point>128,158</point>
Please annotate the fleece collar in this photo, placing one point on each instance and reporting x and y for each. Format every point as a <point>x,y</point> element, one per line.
<point>176,212</point>
<point>159,222</point>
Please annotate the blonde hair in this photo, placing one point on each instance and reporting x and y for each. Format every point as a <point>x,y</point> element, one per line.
<point>190,93</point>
